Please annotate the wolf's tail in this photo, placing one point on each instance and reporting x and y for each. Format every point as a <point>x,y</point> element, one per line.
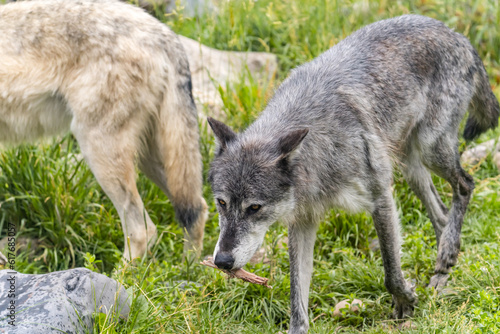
<point>178,138</point>
<point>484,109</point>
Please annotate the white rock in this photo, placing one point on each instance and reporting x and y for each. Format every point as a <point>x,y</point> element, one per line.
<point>210,68</point>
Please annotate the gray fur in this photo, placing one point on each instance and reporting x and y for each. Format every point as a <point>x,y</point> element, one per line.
<point>394,91</point>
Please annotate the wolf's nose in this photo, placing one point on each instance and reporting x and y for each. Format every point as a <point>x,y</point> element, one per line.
<point>224,261</point>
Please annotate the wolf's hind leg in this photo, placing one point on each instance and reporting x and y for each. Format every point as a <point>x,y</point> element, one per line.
<point>420,181</point>
<point>445,162</point>
<point>387,226</point>
<point>110,155</point>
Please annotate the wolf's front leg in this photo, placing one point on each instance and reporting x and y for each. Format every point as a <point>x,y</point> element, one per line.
<point>110,156</point>
<point>301,237</point>
<point>387,226</point>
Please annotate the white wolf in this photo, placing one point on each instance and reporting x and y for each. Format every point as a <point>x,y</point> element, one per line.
<point>120,81</point>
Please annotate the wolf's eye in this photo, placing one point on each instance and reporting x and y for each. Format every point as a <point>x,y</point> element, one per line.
<point>221,202</point>
<point>253,208</point>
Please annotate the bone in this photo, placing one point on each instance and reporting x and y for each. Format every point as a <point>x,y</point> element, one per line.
<point>240,273</point>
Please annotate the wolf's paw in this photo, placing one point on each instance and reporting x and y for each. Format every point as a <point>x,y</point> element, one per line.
<point>445,260</point>
<point>447,255</point>
<point>405,301</point>
<point>402,309</point>
<point>438,281</point>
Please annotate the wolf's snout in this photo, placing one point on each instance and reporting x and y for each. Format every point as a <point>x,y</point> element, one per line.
<point>224,261</point>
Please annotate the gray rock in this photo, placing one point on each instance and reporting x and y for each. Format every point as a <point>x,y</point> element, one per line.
<point>211,67</point>
<point>58,302</point>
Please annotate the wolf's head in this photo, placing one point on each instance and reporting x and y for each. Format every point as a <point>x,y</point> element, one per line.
<point>252,181</point>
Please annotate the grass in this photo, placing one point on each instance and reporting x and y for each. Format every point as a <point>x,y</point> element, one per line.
<point>55,202</point>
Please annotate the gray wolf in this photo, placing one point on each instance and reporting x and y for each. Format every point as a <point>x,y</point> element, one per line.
<point>119,80</point>
<point>393,92</point>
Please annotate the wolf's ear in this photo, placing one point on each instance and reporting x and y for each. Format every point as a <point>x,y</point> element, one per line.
<point>223,133</point>
<point>290,141</point>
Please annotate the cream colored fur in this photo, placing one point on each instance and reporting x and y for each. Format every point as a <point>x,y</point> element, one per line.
<point>116,78</point>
